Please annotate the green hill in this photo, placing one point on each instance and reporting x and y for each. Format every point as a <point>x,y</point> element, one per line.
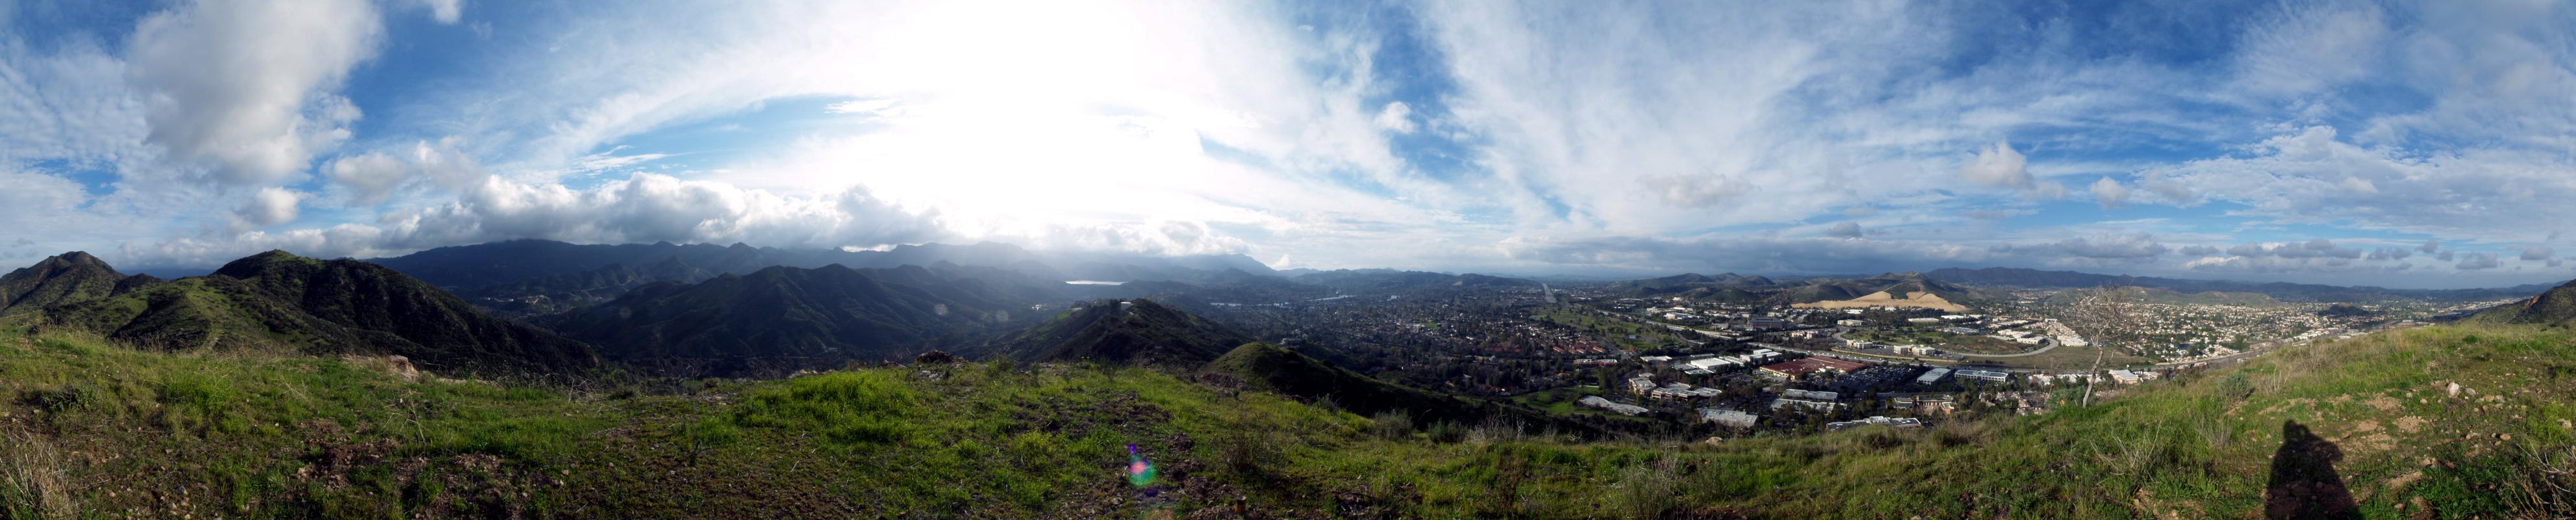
<point>67,278</point>
<point>1275,369</point>
<point>2556,306</point>
<point>1128,332</point>
<point>781,319</point>
<point>95,428</point>
<point>277,300</point>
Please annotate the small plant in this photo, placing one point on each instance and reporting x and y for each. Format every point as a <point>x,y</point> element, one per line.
<point>1392,424</point>
<point>32,480</point>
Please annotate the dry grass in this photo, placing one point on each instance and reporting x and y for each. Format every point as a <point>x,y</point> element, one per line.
<point>33,480</point>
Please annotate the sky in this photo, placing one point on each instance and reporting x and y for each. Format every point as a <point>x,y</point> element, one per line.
<point>2399,144</point>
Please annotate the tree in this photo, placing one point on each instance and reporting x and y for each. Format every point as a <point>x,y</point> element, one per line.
<point>2105,316</point>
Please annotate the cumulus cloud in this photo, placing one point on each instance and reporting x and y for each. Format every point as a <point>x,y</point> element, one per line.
<point>1396,117</point>
<point>1998,165</point>
<point>245,86</point>
<point>2430,245</point>
<point>269,207</point>
<point>2199,250</point>
<point>2538,253</point>
<point>371,176</point>
<point>645,208</point>
<point>2112,246</point>
<point>2110,193</point>
<point>2476,261</point>
<point>2317,248</point>
<point>1844,229</point>
<point>2391,253</point>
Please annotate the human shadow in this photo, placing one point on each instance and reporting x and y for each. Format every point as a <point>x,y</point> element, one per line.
<point>2304,482</point>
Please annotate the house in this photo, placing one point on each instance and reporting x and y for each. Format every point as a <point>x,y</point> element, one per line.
<point>1913,350</point>
<point>1933,376</point>
<point>1983,375</point>
<point>1729,418</point>
<point>1851,323</point>
<point>1922,320</point>
<point>1801,367</point>
<point>2125,377</point>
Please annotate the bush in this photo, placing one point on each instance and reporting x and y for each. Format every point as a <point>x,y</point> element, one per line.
<point>1392,424</point>
<point>1448,432</point>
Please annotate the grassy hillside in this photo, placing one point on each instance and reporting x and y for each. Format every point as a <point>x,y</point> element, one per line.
<point>103,429</point>
<point>1124,332</point>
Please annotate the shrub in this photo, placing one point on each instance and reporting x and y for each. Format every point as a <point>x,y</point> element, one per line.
<point>1392,424</point>
<point>1448,432</point>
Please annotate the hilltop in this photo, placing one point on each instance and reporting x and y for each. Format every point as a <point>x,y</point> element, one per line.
<point>781,319</point>
<point>67,278</point>
<point>277,300</point>
<point>1129,332</point>
<point>2554,306</point>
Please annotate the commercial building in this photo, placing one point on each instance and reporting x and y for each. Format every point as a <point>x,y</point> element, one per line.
<point>1934,376</point>
<point>1801,367</point>
<point>1729,418</point>
<point>1613,406</point>
<point>1983,375</point>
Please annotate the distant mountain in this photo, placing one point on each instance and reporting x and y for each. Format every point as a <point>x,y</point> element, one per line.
<point>1128,332</point>
<point>277,299</point>
<point>1735,288</point>
<point>1359,281</point>
<point>2556,306</point>
<point>531,277</point>
<point>1275,369</point>
<point>67,278</point>
<point>2292,292</point>
<point>785,318</point>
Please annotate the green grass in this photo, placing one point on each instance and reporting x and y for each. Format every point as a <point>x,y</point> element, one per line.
<point>109,431</point>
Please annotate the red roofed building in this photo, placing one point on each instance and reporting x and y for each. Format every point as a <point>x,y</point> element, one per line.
<point>1800,367</point>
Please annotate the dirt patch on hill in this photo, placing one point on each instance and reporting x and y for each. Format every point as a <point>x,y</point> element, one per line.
<point>1920,300</point>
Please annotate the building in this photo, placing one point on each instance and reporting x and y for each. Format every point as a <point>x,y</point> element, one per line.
<point>1729,418</point>
<point>1801,367</point>
<point>1983,375</point>
<point>2125,377</point>
<point>1811,395</point>
<point>1612,406</point>
<point>1851,323</point>
<point>1934,376</point>
<point>1922,320</point>
<point>1901,423</point>
<point>1640,385</point>
<point>1913,350</point>
<point>1963,331</point>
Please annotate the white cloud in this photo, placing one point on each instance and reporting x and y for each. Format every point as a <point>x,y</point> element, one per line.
<point>444,11</point>
<point>1396,117</point>
<point>269,207</point>
<point>246,85</point>
<point>370,177</point>
<point>2538,253</point>
<point>1998,165</point>
<point>2110,193</point>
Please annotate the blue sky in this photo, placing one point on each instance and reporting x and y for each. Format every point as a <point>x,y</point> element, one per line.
<point>2388,143</point>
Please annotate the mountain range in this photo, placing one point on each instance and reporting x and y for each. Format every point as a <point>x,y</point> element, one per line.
<point>277,300</point>
<point>2284,291</point>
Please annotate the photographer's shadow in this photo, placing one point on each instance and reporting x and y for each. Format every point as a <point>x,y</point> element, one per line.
<point>2304,482</point>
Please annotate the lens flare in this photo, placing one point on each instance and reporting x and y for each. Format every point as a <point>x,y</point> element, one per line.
<point>1140,472</point>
